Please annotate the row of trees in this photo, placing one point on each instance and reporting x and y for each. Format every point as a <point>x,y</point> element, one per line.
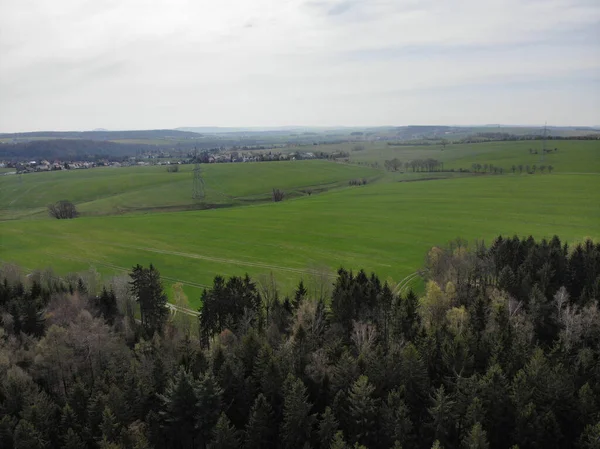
<point>421,165</point>
<point>486,168</point>
<point>502,350</point>
<point>531,168</point>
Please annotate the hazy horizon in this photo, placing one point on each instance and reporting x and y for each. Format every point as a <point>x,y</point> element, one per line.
<point>229,128</point>
<point>78,65</point>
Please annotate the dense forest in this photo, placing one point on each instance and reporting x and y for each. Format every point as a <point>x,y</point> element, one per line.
<point>501,351</point>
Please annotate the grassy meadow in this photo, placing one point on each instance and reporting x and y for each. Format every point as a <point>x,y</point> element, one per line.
<point>386,227</point>
<point>572,156</point>
<point>115,190</point>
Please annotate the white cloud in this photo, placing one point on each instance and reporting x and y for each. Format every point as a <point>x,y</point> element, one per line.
<point>73,64</point>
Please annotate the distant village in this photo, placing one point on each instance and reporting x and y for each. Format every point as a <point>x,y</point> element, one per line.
<point>162,158</point>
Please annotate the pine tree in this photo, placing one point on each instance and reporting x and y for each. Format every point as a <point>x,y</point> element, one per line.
<point>7,424</point>
<point>32,317</point>
<point>590,438</point>
<point>328,427</point>
<point>208,406</point>
<point>339,442</point>
<point>396,424</point>
<point>106,305</point>
<point>179,408</point>
<point>78,402</point>
<point>147,288</point>
<point>297,421</point>
<point>224,435</point>
<point>68,420</point>
<point>476,438</point>
<point>109,426</point>
<point>72,441</point>
<point>27,437</point>
<point>299,295</point>
<point>442,415</point>
<point>260,430</point>
<point>363,411</point>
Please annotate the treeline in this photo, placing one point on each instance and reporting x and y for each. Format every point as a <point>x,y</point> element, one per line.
<point>501,351</point>
<point>416,165</point>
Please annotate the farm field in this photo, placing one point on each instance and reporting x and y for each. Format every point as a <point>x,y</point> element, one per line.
<point>115,190</point>
<point>572,156</point>
<point>386,227</point>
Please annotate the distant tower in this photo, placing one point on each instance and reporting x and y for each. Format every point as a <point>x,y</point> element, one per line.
<point>198,188</point>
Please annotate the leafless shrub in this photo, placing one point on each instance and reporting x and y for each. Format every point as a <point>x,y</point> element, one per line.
<point>62,210</point>
<point>278,195</point>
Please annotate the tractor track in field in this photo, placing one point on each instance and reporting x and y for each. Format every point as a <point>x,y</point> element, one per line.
<point>222,260</point>
<point>226,261</point>
<point>405,283</point>
<point>123,269</point>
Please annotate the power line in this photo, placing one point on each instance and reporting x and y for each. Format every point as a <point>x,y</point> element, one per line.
<point>198,187</point>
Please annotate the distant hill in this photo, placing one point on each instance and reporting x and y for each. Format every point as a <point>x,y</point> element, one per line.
<point>69,149</point>
<point>106,135</point>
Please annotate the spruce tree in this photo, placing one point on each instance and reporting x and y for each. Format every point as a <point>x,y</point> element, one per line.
<point>298,423</point>
<point>442,415</point>
<point>224,435</point>
<point>179,408</point>
<point>208,406</point>
<point>27,437</point>
<point>476,438</point>
<point>299,295</point>
<point>328,427</point>
<point>72,441</point>
<point>109,426</point>
<point>260,430</point>
<point>147,288</point>
<point>362,409</point>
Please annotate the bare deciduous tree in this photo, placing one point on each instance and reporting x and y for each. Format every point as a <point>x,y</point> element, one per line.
<point>278,195</point>
<point>62,210</point>
<point>363,335</point>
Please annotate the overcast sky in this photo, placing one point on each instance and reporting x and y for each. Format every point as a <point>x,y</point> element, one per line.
<point>139,64</point>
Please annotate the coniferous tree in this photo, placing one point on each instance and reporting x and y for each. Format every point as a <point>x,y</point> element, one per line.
<point>109,426</point>
<point>362,407</point>
<point>179,409</point>
<point>224,435</point>
<point>72,441</point>
<point>476,438</point>
<point>260,431</point>
<point>300,294</point>
<point>442,415</point>
<point>208,407</point>
<point>27,437</point>
<point>328,428</point>
<point>147,288</point>
<point>298,423</point>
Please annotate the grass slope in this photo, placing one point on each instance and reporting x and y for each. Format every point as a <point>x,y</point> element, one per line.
<point>385,227</point>
<point>573,156</point>
<point>110,190</point>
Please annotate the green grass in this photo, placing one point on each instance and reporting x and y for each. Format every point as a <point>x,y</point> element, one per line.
<point>573,156</point>
<point>384,227</point>
<point>112,190</point>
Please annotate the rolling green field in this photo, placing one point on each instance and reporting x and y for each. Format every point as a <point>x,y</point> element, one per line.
<point>142,214</point>
<point>114,190</point>
<point>384,227</point>
<point>573,156</point>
